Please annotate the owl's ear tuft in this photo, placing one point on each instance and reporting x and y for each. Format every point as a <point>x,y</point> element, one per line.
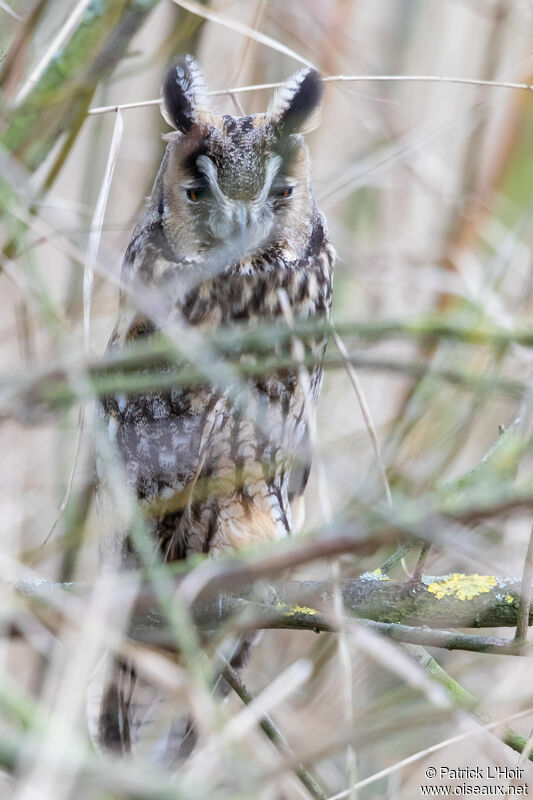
<point>183,94</point>
<point>295,108</point>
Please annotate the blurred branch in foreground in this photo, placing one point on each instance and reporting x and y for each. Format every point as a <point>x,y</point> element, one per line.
<point>131,372</point>
<point>56,99</point>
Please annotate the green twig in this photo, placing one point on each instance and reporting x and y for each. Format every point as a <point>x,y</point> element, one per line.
<point>394,559</point>
<point>462,698</point>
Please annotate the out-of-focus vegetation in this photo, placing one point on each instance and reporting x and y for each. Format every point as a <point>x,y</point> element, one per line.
<point>425,418</point>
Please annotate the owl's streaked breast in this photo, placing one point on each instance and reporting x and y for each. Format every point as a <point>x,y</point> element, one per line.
<point>204,454</point>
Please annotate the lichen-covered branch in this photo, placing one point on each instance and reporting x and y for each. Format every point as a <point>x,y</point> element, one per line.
<point>457,601</point>
<point>151,629</point>
<point>408,612</point>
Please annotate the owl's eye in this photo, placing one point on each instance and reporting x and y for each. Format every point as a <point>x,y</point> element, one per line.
<point>195,193</point>
<point>281,191</point>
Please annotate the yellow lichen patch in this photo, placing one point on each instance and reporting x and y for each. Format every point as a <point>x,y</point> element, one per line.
<point>377,574</point>
<point>464,587</point>
<point>300,610</point>
<point>509,599</point>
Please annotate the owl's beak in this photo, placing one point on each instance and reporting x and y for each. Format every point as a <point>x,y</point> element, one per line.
<point>238,229</point>
<point>242,233</point>
<point>241,218</point>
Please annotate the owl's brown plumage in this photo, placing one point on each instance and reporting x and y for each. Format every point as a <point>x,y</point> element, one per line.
<point>231,235</point>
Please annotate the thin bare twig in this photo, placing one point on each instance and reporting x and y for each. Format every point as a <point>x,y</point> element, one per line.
<point>524,604</point>
<point>68,490</point>
<point>324,623</point>
<point>365,411</point>
<point>239,27</point>
<point>96,226</point>
<point>419,568</point>
<point>428,751</point>
<point>396,557</point>
<point>274,734</point>
<point>333,79</point>
<point>4,6</point>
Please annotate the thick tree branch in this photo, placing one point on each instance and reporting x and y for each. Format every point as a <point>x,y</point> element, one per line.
<point>405,611</point>
<point>462,601</point>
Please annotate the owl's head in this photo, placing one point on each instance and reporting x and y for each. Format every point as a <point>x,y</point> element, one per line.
<point>238,182</point>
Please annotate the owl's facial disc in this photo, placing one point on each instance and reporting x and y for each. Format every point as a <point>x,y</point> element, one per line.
<point>237,213</point>
<point>238,184</point>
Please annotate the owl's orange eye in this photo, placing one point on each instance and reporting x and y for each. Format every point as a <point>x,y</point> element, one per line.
<point>195,193</point>
<point>282,191</point>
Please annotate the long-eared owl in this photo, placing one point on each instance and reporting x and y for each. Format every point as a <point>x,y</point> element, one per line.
<point>231,236</point>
